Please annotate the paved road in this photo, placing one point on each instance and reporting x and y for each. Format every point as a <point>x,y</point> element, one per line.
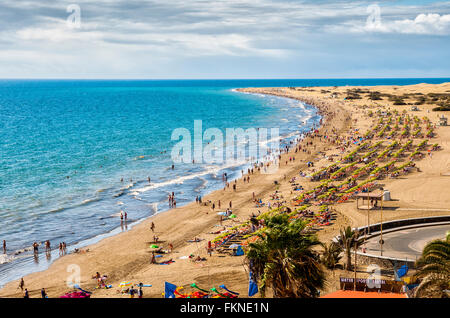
<point>407,243</point>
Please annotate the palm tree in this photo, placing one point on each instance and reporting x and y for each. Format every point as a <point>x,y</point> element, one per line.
<point>349,239</point>
<point>331,255</point>
<point>284,260</point>
<point>434,269</point>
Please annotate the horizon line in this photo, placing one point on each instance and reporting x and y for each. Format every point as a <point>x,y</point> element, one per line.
<point>216,79</point>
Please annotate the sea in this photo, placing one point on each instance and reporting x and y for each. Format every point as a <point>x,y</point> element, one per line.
<point>75,153</point>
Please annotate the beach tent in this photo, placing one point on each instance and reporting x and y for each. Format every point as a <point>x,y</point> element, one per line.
<point>169,290</point>
<point>252,286</point>
<point>239,251</point>
<point>402,271</point>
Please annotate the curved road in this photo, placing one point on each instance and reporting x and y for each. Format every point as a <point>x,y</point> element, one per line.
<point>407,243</point>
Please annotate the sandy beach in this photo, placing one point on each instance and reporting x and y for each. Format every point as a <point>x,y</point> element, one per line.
<point>126,256</point>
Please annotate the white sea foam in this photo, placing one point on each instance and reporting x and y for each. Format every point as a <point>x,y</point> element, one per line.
<point>6,258</point>
<point>182,179</point>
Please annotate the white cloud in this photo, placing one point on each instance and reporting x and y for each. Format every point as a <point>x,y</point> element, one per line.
<point>426,24</point>
<point>431,23</point>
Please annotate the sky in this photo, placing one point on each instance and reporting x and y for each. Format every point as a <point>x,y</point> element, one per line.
<point>223,39</point>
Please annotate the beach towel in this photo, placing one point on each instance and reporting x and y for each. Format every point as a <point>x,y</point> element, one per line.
<point>165,263</point>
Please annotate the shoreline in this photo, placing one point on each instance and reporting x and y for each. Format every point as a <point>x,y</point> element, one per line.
<point>126,256</point>
<point>92,242</point>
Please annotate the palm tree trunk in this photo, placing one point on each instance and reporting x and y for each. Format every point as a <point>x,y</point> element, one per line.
<point>349,259</point>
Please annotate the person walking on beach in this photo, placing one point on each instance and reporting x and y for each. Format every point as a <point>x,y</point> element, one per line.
<point>153,259</point>
<point>35,247</point>
<point>21,284</point>
<point>25,294</point>
<point>43,293</point>
<point>152,227</point>
<point>4,247</point>
<point>64,246</point>
<point>47,246</point>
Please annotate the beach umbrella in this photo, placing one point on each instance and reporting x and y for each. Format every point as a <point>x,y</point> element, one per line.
<point>125,284</point>
<point>234,245</point>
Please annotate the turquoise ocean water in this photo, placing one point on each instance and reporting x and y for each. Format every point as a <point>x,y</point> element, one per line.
<point>66,145</point>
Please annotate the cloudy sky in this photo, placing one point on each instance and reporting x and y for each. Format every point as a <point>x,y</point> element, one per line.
<point>168,39</point>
